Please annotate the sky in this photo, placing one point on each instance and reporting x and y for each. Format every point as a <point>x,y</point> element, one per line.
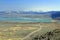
<point>30,5</point>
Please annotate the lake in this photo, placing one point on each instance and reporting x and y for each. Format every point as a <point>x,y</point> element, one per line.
<point>26,19</point>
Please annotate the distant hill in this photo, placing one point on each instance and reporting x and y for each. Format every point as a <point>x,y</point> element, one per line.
<point>56,15</point>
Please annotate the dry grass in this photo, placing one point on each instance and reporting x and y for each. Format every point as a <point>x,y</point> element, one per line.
<point>17,31</point>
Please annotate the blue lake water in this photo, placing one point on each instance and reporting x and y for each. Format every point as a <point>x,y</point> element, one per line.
<point>26,19</point>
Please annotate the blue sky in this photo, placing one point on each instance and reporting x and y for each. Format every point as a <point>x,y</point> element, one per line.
<point>30,5</point>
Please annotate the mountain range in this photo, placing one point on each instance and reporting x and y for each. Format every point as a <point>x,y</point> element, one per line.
<point>30,14</point>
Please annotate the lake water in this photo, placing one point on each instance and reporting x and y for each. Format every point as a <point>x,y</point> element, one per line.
<point>27,19</point>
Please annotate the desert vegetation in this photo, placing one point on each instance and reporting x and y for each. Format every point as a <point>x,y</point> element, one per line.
<point>28,30</point>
